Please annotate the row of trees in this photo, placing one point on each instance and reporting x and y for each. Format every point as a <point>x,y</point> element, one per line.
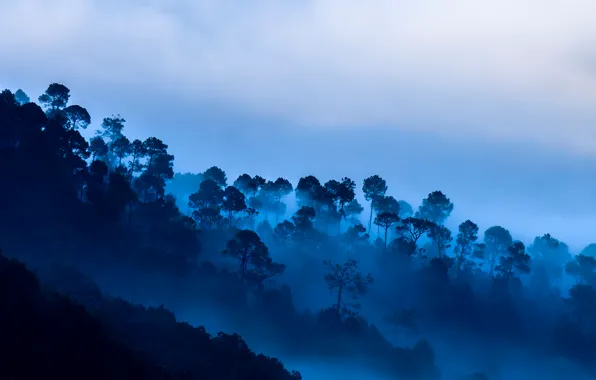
<point>109,199</point>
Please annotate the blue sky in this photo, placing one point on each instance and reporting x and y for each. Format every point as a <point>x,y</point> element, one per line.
<point>491,101</point>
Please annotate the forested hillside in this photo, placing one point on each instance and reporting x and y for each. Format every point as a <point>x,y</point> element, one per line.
<point>108,210</point>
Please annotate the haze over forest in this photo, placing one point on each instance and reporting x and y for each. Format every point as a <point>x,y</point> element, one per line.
<point>148,146</point>
<point>496,98</point>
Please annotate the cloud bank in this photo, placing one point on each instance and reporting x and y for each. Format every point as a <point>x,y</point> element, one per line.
<point>507,69</point>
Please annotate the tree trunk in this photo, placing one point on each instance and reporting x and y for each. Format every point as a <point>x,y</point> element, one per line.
<point>370,218</point>
<point>338,307</point>
<point>386,229</point>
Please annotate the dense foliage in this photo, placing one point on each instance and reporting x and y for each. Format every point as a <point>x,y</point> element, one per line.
<point>47,335</point>
<point>112,208</point>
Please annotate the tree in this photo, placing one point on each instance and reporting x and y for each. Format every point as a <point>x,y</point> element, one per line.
<point>340,193</point>
<point>303,220</point>
<point>386,204</point>
<point>356,236</point>
<point>269,201</point>
<point>281,188</point>
<point>353,210</point>
<point>374,188</point>
<point>275,192</point>
<point>385,220</point>
<point>209,195</point>
<point>442,238</point>
<point>21,97</point>
<point>264,268</point>
<point>208,217</point>
<point>158,169</point>
<point>217,175</point>
<point>233,202</point>
<point>121,148</point>
<point>551,254</point>
<point>120,195</point>
<point>497,240</point>
<point>246,184</point>
<point>56,97</point>
<point>247,248</point>
<point>138,151</point>
<point>284,230</point>
<point>206,203</point>
<point>306,189</point>
<point>258,183</point>
<point>466,237</point>
<point>77,117</point>
<point>98,148</point>
<point>436,208</point>
<point>346,279</point>
<point>95,194</point>
<point>153,148</point>
<point>405,209</point>
<point>516,260</point>
<point>111,128</point>
<point>582,301</point>
<point>412,229</point>
<point>345,193</point>
<point>583,268</point>
<point>251,213</point>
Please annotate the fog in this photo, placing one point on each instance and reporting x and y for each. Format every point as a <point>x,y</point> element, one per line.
<point>356,191</point>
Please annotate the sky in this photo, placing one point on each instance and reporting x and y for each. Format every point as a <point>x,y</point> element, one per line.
<point>490,101</point>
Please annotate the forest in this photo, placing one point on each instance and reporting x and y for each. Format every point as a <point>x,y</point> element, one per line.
<point>113,265</point>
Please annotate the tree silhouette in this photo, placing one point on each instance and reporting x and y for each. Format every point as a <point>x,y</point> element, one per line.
<point>284,230</point>
<point>385,220</point>
<point>98,148</point>
<point>516,260</point>
<point>247,185</point>
<point>374,188</point>
<point>248,249</point>
<point>442,238</point>
<point>206,203</point>
<point>21,97</point>
<point>306,190</point>
<point>551,254</point>
<point>497,240</point>
<point>412,229</point>
<point>436,208</point>
<point>77,116</point>
<point>346,279</point>
<point>138,151</point>
<point>405,209</point>
<point>55,97</point>
<point>111,128</point>
<point>583,268</point>
<point>121,148</point>
<point>353,210</point>
<point>233,202</point>
<point>466,237</point>
<point>264,268</point>
<point>217,175</point>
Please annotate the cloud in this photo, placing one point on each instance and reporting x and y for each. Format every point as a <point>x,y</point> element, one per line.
<point>503,69</point>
